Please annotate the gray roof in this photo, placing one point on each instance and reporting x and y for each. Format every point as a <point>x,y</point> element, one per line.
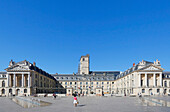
<point>134,68</point>
<point>32,67</point>
<point>98,76</point>
<point>166,74</point>
<point>3,72</point>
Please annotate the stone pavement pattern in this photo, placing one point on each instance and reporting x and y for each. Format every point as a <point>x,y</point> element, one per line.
<point>87,104</point>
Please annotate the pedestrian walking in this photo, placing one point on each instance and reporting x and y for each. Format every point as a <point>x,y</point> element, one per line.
<point>75,102</point>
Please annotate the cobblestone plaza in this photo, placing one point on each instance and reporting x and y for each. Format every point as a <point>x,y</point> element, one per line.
<point>90,104</point>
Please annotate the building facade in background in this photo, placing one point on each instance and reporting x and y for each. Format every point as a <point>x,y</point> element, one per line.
<point>145,77</point>
<point>24,78</point>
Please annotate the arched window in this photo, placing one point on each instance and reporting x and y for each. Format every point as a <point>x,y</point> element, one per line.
<point>165,84</point>
<point>3,83</point>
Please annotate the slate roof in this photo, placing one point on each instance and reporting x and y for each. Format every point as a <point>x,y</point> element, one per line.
<point>99,76</point>
<point>166,75</point>
<point>3,72</point>
<point>32,67</point>
<point>134,68</point>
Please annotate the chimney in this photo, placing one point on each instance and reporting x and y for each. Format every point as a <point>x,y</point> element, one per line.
<point>56,73</point>
<point>34,63</point>
<point>87,55</point>
<point>133,64</point>
<point>73,73</point>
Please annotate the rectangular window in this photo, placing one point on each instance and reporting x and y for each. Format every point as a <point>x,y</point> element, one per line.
<point>107,82</point>
<point>70,83</point>
<point>143,90</point>
<point>133,83</point>
<point>41,84</point>
<point>132,76</point>
<point>158,90</point>
<point>65,83</point>
<point>80,83</point>
<point>91,83</point>
<point>86,83</point>
<point>25,90</point>
<point>36,83</point>
<point>102,82</point>
<point>141,82</point>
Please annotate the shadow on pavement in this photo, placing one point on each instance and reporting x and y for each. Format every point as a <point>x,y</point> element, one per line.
<point>82,105</point>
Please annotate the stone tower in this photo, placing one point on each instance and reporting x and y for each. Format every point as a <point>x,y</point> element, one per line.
<point>84,64</point>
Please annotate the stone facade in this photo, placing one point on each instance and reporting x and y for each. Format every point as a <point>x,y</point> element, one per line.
<point>145,77</point>
<point>84,64</point>
<point>24,78</point>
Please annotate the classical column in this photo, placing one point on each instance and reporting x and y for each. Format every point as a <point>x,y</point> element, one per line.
<point>29,79</point>
<point>32,79</point>
<point>8,80</point>
<point>14,80</point>
<point>160,75</point>
<point>130,81</point>
<point>146,78</point>
<point>139,79</point>
<point>22,80</point>
<point>154,80</point>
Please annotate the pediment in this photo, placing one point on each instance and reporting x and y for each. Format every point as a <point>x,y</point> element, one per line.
<point>18,68</point>
<point>152,68</point>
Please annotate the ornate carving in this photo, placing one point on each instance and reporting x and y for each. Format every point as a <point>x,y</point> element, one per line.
<point>151,68</point>
<point>19,68</point>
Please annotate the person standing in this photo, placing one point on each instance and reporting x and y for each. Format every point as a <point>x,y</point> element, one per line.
<point>75,102</point>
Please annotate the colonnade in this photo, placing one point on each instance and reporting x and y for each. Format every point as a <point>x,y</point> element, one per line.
<point>13,79</point>
<point>154,79</point>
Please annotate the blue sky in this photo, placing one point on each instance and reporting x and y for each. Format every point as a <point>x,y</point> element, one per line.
<point>55,33</point>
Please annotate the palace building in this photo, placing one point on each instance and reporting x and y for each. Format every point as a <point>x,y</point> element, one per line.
<point>145,77</point>
<point>24,78</point>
